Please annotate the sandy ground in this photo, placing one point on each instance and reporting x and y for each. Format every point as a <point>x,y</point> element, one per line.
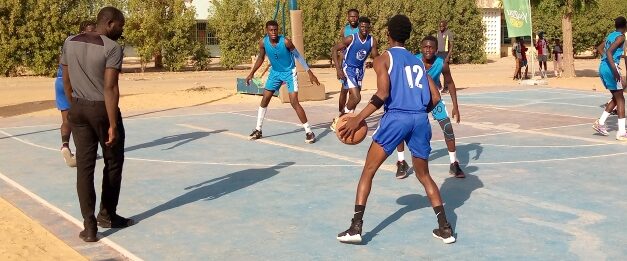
<point>24,97</point>
<point>23,239</point>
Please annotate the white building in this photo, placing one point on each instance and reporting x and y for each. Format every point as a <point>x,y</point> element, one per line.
<point>204,9</point>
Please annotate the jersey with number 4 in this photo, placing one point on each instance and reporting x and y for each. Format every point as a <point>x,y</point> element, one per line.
<point>409,85</point>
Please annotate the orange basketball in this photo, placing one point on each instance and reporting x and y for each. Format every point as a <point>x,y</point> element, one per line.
<point>360,134</point>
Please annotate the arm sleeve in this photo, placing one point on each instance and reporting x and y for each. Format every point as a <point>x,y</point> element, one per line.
<point>114,57</point>
<point>300,59</point>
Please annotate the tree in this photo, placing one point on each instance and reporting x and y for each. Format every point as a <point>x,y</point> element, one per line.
<point>177,43</point>
<point>568,9</point>
<point>239,29</point>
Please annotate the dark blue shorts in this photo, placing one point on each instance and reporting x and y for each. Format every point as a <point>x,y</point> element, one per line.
<point>354,76</point>
<point>62,102</point>
<point>413,129</point>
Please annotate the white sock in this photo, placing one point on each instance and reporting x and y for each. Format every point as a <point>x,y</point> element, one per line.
<point>261,114</point>
<point>604,117</point>
<point>453,156</point>
<point>401,155</point>
<point>621,126</point>
<point>307,127</point>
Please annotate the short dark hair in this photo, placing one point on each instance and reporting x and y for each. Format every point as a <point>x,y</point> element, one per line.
<point>271,23</point>
<point>430,38</point>
<point>620,22</point>
<point>109,13</point>
<point>363,19</point>
<point>353,10</point>
<point>399,28</point>
<point>83,25</point>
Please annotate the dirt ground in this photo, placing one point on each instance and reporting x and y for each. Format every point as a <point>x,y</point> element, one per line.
<point>21,238</point>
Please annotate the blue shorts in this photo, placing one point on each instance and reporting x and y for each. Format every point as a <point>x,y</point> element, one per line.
<point>607,77</point>
<point>354,76</point>
<point>413,129</point>
<point>62,102</point>
<point>275,79</point>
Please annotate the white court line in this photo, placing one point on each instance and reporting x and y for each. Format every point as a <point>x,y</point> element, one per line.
<point>241,164</point>
<point>486,106</point>
<point>67,216</point>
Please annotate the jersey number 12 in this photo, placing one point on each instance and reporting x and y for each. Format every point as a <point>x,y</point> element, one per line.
<point>412,71</point>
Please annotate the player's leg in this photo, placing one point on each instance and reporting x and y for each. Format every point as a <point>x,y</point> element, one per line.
<point>607,78</point>
<point>292,88</point>
<point>353,78</point>
<point>272,84</point>
<point>619,99</point>
<point>390,133</point>
<point>440,114</point>
<point>419,145</point>
<point>66,132</point>
<point>444,230</point>
<point>401,165</point>
<point>517,69</point>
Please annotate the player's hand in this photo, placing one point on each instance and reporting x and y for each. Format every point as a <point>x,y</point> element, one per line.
<point>248,79</point>
<point>456,115</point>
<point>312,78</point>
<point>349,129</point>
<point>340,75</point>
<point>113,137</point>
<point>368,65</point>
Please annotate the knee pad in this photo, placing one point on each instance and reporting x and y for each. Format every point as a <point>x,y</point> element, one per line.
<point>447,129</point>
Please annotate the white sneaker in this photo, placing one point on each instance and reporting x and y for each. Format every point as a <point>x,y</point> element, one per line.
<point>68,157</point>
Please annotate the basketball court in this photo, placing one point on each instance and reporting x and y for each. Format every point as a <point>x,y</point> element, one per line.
<point>540,184</point>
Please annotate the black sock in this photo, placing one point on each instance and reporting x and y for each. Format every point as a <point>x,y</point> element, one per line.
<point>359,212</point>
<point>439,213</point>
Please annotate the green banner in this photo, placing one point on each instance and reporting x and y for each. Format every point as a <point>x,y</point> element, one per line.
<point>518,17</point>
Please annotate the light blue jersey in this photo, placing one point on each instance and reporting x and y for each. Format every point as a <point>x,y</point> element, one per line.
<point>409,86</point>
<point>357,52</point>
<point>436,69</point>
<point>281,59</point>
<point>349,30</point>
<point>611,38</point>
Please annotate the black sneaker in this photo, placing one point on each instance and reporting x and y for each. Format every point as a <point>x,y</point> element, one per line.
<point>456,171</point>
<point>255,135</point>
<point>352,234</point>
<point>310,137</point>
<point>614,112</point>
<point>114,221</point>
<point>401,169</point>
<point>444,233</point>
<point>89,234</point>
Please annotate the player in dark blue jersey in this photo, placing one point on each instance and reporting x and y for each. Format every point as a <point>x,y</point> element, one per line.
<point>407,94</point>
<point>281,52</point>
<point>437,66</point>
<point>355,49</point>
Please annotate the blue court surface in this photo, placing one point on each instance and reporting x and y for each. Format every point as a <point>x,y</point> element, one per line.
<point>540,185</point>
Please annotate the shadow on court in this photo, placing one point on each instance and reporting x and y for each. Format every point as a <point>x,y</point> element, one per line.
<point>454,194</point>
<point>181,139</point>
<point>463,155</point>
<point>410,202</point>
<point>212,189</point>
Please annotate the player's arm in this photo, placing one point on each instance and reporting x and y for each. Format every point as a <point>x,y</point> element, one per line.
<point>435,94</point>
<point>375,48</point>
<point>290,46</point>
<point>448,80</point>
<point>260,57</point>
<point>450,47</point>
<point>335,55</point>
<point>619,41</point>
<point>381,65</point>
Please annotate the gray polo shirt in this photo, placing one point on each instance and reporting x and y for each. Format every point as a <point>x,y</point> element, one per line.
<point>444,39</point>
<point>87,56</point>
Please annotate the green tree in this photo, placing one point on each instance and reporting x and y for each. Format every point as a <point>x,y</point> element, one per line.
<point>466,22</point>
<point>568,9</point>
<point>177,42</point>
<point>238,27</point>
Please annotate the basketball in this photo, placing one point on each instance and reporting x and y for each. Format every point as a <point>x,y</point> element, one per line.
<point>360,134</point>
